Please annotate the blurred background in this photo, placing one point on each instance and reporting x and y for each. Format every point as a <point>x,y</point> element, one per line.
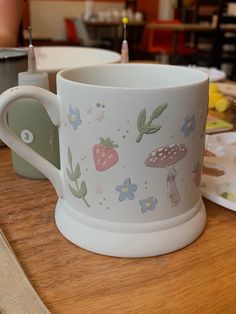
<point>197,32</point>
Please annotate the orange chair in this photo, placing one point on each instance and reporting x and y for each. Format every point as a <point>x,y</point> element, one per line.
<point>71,33</point>
<point>157,41</point>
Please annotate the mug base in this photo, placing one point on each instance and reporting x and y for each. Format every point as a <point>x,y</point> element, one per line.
<point>130,240</point>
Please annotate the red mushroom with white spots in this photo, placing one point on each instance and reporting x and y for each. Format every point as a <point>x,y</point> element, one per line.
<point>166,157</point>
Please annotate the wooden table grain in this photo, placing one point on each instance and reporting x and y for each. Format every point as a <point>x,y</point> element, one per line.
<point>201,278</point>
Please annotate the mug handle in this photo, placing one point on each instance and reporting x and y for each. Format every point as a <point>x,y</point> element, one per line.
<point>50,103</point>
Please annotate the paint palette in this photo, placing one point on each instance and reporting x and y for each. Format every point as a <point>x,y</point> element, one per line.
<point>216,125</point>
<point>219,169</point>
<point>227,89</point>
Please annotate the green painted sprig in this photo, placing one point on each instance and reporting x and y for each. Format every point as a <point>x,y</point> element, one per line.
<point>148,127</point>
<point>74,175</point>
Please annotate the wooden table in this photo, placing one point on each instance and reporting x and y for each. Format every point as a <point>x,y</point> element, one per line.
<point>200,278</point>
<point>189,28</point>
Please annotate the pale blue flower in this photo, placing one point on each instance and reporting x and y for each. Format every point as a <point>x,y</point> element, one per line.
<point>189,125</point>
<point>74,117</point>
<point>148,204</point>
<point>126,190</point>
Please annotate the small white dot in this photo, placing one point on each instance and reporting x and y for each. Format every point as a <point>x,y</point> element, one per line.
<point>27,136</point>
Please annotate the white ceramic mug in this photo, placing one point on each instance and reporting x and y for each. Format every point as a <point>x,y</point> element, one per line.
<point>131,148</point>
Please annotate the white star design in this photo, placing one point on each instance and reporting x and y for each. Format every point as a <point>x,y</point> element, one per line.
<point>89,109</point>
<point>98,189</point>
<point>100,116</point>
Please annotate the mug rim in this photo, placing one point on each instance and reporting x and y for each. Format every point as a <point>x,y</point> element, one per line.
<point>204,76</point>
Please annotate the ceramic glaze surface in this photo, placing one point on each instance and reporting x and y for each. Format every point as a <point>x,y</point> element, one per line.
<point>131,147</point>
<point>116,133</point>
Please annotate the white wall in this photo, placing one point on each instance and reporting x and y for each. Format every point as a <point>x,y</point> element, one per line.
<point>166,9</point>
<point>47,17</point>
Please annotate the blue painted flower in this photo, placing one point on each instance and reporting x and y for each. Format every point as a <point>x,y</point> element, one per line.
<point>189,125</point>
<point>74,117</point>
<point>126,190</point>
<point>148,204</point>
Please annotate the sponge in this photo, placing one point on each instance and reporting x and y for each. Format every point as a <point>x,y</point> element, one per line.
<point>222,104</point>
<point>217,100</point>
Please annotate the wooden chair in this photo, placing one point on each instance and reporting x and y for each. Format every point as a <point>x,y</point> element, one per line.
<point>224,47</point>
<point>204,10</point>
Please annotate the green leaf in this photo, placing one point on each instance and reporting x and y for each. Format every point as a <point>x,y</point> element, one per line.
<point>83,189</point>
<point>107,142</point>
<point>153,129</point>
<point>70,175</point>
<point>139,137</point>
<point>77,172</point>
<point>158,111</point>
<point>141,120</point>
<point>102,141</point>
<point>75,192</point>
<point>69,156</point>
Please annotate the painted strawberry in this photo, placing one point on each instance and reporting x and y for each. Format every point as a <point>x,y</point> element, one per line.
<point>104,154</point>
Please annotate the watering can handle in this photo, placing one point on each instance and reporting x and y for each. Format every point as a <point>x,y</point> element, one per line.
<point>50,103</point>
